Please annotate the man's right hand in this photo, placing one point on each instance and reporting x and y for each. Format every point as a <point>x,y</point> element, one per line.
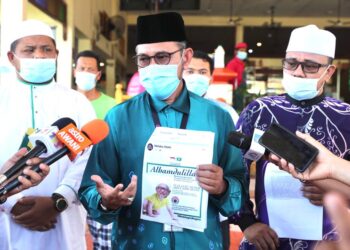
<point>262,236</point>
<point>113,197</point>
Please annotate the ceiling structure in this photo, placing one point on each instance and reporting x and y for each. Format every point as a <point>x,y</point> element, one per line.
<point>283,8</point>
<point>334,11</point>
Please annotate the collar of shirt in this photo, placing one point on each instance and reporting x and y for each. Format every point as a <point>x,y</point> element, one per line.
<point>306,103</point>
<point>181,104</point>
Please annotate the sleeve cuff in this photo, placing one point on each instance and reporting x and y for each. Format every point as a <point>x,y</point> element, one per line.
<point>68,193</point>
<point>246,221</point>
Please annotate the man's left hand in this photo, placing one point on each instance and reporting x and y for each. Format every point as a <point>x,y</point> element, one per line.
<point>211,178</point>
<point>39,215</point>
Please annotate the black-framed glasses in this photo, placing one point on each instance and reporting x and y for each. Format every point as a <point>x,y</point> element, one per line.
<point>307,66</point>
<point>162,58</point>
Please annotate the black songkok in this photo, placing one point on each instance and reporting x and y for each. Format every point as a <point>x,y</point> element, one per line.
<point>162,27</point>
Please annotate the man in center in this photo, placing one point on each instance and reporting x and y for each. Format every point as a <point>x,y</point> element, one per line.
<point>114,172</point>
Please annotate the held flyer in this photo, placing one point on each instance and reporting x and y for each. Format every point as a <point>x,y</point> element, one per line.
<point>170,192</point>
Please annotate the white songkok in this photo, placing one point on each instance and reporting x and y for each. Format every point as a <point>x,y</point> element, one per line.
<point>311,39</point>
<point>31,28</point>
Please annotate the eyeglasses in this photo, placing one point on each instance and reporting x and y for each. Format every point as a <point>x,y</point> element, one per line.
<point>307,66</point>
<point>162,58</point>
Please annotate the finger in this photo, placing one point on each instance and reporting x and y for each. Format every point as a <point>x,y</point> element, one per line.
<point>274,238</point>
<point>45,169</point>
<point>34,179</point>
<point>20,153</point>
<point>261,244</point>
<point>132,187</point>
<point>338,211</point>
<point>33,161</point>
<point>28,201</point>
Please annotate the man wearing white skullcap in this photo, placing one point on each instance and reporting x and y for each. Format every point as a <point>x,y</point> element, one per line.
<point>286,218</point>
<point>48,216</point>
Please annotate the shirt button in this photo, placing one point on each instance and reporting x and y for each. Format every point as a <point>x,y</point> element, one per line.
<point>36,112</point>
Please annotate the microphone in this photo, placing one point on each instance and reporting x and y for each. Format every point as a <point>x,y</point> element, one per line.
<point>249,143</point>
<point>45,141</point>
<point>74,142</point>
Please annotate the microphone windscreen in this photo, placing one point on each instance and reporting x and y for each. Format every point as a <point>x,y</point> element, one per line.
<point>96,130</point>
<point>239,140</point>
<point>62,122</point>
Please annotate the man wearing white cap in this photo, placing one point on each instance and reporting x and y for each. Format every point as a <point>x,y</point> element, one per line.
<point>287,218</point>
<point>48,216</point>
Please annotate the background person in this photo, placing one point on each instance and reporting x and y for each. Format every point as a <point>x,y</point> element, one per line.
<point>237,64</point>
<point>87,73</point>
<point>111,187</point>
<point>305,107</point>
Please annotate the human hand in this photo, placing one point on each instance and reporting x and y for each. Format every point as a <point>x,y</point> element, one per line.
<point>114,197</point>
<point>261,236</point>
<point>34,177</point>
<point>211,178</point>
<point>314,193</point>
<point>35,213</point>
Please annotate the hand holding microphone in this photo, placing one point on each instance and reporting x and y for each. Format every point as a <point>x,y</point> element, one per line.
<point>73,142</point>
<point>35,178</point>
<point>44,141</point>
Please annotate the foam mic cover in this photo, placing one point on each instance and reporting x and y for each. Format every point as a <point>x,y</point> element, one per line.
<point>44,141</point>
<point>96,130</point>
<point>239,140</point>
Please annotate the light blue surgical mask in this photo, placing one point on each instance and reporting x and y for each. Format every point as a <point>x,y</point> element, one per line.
<point>242,55</point>
<point>197,83</point>
<point>160,81</point>
<point>301,88</point>
<point>85,80</point>
<point>37,70</point>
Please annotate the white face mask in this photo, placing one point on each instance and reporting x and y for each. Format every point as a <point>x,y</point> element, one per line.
<point>85,80</point>
<point>197,83</point>
<point>301,88</point>
<point>37,70</point>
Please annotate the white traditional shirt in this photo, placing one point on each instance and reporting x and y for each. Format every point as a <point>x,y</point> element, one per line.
<point>24,106</point>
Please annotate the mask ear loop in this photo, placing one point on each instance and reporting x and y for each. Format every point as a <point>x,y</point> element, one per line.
<point>323,74</point>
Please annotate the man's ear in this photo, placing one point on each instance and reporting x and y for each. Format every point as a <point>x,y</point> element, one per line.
<point>98,76</point>
<point>10,56</point>
<point>188,54</point>
<point>330,71</point>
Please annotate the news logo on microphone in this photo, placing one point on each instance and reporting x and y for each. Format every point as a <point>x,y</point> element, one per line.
<point>73,139</point>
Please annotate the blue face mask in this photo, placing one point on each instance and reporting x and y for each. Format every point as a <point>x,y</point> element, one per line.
<point>160,81</point>
<point>301,88</point>
<point>197,83</point>
<point>34,70</point>
<point>242,55</point>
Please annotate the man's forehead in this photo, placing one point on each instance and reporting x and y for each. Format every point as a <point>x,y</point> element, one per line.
<point>35,41</point>
<point>199,63</point>
<point>151,48</point>
<point>303,56</point>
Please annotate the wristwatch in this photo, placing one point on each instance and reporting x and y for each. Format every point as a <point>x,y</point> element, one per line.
<point>60,203</point>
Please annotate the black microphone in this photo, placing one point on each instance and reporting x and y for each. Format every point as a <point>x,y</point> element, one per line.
<point>248,143</point>
<point>74,142</point>
<point>42,140</point>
